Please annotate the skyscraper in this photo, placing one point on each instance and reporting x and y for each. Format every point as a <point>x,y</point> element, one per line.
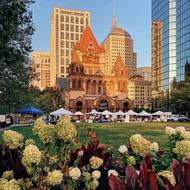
<point>163,46</point>
<point>41,66</point>
<point>183,39</point>
<point>119,42</point>
<point>67,27</point>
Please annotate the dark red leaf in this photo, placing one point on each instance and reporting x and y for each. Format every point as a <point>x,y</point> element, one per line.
<point>186,174</point>
<point>152,181</point>
<point>116,184</point>
<point>177,170</point>
<point>131,177</point>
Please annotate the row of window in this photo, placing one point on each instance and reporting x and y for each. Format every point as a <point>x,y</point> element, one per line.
<point>72,28</point>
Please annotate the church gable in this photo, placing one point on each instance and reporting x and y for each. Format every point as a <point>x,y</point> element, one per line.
<point>88,42</point>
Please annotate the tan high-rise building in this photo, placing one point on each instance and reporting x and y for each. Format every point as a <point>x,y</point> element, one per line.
<point>41,67</point>
<point>139,91</point>
<point>145,72</point>
<point>67,27</point>
<point>119,42</point>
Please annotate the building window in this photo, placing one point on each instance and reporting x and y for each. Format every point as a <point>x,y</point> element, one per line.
<point>79,84</point>
<point>74,84</point>
<point>77,28</point>
<point>67,53</point>
<point>62,70</point>
<point>67,36</point>
<point>62,44</point>
<point>62,18</point>
<point>72,19</point>
<point>67,44</point>
<point>72,28</point>
<point>62,26</point>
<point>72,36</point>
<point>81,29</point>
<point>77,20</point>
<point>67,61</point>
<point>67,19</point>
<point>77,37</point>
<point>67,27</point>
<point>62,35</point>
<point>81,21</point>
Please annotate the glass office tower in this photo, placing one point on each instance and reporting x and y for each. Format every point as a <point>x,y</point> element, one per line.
<point>183,39</point>
<point>163,46</point>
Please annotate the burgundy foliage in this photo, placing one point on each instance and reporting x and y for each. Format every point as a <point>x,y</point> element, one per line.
<point>11,160</point>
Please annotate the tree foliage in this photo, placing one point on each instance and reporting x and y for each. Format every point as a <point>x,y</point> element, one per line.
<point>16,29</point>
<point>180,99</point>
<point>47,100</point>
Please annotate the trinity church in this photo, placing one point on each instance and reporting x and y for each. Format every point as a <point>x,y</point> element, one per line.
<point>89,87</point>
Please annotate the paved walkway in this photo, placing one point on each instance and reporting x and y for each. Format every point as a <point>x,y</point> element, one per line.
<point>14,125</point>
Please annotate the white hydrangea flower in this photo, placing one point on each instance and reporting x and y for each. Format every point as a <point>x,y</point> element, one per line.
<point>180,130</point>
<point>113,172</point>
<point>74,173</point>
<point>154,147</point>
<point>186,135</point>
<point>122,149</point>
<point>96,174</point>
<point>170,131</point>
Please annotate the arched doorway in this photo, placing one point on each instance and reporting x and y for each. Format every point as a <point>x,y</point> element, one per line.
<point>79,106</point>
<point>103,105</point>
<point>126,106</point>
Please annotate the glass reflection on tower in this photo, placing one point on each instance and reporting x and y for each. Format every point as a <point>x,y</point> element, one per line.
<point>183,39</point>
<point>163,46</point>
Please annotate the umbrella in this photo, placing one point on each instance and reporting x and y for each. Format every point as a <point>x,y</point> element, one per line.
<point>159,113</point>
<point>131,112</point>
<point>144,113</point>
<point>94,112</point>
<point>106,112</point>
<point>61,112</point>
<point>119,113</point>
<point>30,110</point>
<point>78,113</point>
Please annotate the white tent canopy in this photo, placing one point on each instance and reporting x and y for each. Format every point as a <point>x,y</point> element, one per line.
<point>106,112</point>
<point>78,113</point>
<point>144,113</point>
<point>131,112</point>
<point>94,112</point>
<point>61,112</point>
<point>120,113</point>
<point>159,113</point>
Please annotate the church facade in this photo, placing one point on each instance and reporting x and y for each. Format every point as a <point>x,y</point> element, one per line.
<point>89,87</point>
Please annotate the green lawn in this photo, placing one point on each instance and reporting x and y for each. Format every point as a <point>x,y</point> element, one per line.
<point>116,134</point>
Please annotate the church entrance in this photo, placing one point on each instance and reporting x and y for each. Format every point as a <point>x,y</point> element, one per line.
<point>103,105</point>
<point>79,106</point>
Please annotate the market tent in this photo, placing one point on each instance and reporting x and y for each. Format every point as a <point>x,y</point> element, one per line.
<point>94,112</point>
<point>30,110</point>
<point>119,113</point>
<point>144,113</point>
<point>131,112</point>
<point>78,113</point>
<point>159,113</point>
<point>61,112</point>
<point>106,112</point>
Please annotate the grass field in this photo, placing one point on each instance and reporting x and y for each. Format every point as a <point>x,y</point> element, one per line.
<point>116,134</point>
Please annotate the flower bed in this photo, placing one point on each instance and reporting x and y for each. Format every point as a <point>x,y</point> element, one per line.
<point>63,163</point>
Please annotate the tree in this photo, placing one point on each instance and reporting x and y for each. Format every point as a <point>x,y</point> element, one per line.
<point>47,100</point>
<point>180,99</point>
<point>16,29</point>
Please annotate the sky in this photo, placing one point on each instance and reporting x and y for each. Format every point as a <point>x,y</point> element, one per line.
<point>132,15</point>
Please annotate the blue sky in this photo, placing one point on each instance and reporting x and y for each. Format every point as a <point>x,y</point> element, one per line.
<point>132,15</point>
